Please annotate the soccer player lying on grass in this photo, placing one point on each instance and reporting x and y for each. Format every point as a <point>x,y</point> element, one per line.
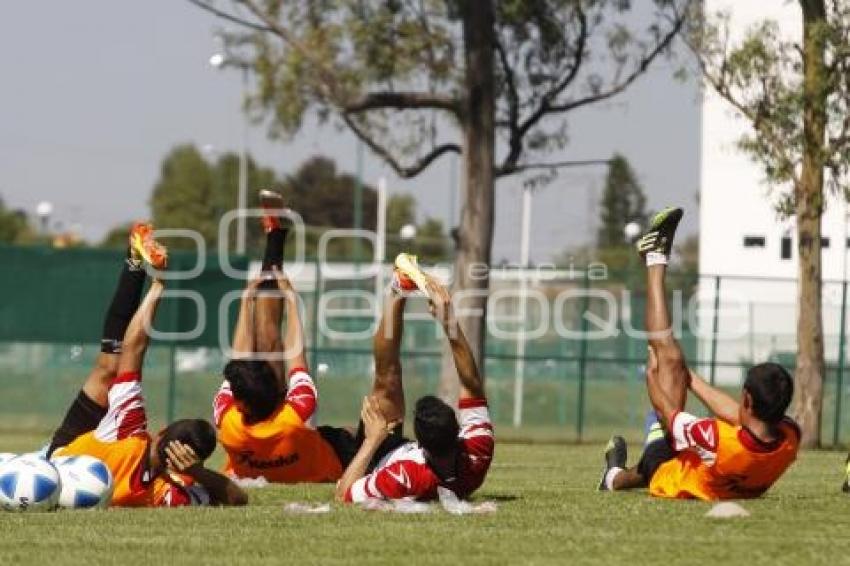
<point>448,453</point>
<point>108,420</point>
<point>737,454</point>
<point>265,408</point>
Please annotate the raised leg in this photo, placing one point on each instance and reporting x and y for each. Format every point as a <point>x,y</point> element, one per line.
<point>387,386</point>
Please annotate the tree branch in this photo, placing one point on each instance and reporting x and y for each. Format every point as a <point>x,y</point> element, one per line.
<point>645,61</point>
<point>555,165</point>
<point>229,17</point>
<point>402,171</point>
<point>719,84</point>
<point>519,131</point>
<point>402,100</point>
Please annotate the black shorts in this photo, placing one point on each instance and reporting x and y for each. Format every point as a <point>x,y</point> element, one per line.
<point>346,445</point>
<point>654,454</point>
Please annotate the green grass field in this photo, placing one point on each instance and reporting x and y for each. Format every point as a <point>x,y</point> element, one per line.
<point>548,514</point>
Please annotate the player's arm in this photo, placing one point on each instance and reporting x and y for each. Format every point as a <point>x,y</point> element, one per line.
<point>665,404</point>
<point>222,490</point>
<point>376,430</point>
<point>471,384</point>
<point>718,402</point>
<point>294,354</point>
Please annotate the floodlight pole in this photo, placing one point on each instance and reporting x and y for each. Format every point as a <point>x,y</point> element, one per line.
<point>242,196</point>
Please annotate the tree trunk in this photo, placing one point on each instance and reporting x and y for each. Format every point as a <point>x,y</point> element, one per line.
<point>809,207</point>
<point>472,264</point>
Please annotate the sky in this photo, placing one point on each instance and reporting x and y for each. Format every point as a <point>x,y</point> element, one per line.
<point>96,92</point>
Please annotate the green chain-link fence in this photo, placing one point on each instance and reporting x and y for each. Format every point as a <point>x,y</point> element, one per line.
<point>582,376</point>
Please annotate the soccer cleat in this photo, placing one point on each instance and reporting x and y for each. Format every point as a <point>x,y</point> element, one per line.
<point>401,284</point>
<point>662,229</point>
<point>408,276</point>
<point>272,203</point>
<point>616,455</point>
<point>845,487</point>
<point>143,247</point>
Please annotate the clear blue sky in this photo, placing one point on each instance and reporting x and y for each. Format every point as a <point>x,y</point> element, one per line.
<point>96,92</point>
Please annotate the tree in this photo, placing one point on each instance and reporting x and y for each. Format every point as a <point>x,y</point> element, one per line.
<point>430,243</point>
<point>795,95</point>
<point>401,210</point>
<point>14,226</point>
<point>193,194</point>
<point>324,196</point>
<point>623,201</point>
<point>416,80</point>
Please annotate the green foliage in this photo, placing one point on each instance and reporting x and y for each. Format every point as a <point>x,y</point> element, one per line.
<point>552,56</point>
<point>401,210</point>
<point>762,75</point>
<point>324,196</point>
<point>14,227</point>
<point>623,201</point>
<point>193,194</point>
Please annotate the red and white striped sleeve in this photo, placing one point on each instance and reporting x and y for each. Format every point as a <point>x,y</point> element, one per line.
<point>302,395</point>
<point>126,415</point>
<point>222,402</point>
<point>397,480</point>
<point>476,429</point>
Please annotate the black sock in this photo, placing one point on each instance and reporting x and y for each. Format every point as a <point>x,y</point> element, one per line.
<point>83,416</point>
<point>275,242</point>
<point>124,304</point>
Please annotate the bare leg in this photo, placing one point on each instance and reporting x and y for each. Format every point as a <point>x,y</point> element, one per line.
<point>387,386</point>
<point>668,386</point>
<point>268,314</point>
<point>628,479</point>
<point>137,338</point>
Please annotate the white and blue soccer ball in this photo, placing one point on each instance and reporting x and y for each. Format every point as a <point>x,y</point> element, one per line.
<point>86,482</point>
<point>6,456</point>
<point>28,483</point>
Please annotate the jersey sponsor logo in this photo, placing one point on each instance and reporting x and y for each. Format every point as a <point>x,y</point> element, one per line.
<point>401,477</point>
<point>704,435</point>
<point>246,458</point>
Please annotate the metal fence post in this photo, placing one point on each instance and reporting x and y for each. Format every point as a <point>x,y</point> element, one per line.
<point>582,360</point>
<point>317,295</point>
<point>171,402</point>
<point>839,378</point>
<point>714,325</point>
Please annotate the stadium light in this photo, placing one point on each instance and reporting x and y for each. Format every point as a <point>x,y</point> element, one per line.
<point>221,60</point>
<point>407,232</point>
<point>631,231</point>
<point>44,210</point>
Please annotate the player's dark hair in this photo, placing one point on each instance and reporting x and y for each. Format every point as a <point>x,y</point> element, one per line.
<point>771,389</point>
<point>435,425</point>
<point>197,434</point>
<point>255,385</point>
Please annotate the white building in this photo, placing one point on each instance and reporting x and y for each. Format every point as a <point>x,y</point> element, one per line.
<point>743,240</point>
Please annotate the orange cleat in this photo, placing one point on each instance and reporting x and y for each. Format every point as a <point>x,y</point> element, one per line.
<point>143,247</point>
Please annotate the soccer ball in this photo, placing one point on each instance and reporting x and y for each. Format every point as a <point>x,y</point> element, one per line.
<point>28,483</point>
<point>86,482</point>
<point>6,456</point>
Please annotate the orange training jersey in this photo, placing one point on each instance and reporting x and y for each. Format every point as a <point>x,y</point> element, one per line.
<point>286,447</point>
<point>719,461</point>
<point>122,442</point>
